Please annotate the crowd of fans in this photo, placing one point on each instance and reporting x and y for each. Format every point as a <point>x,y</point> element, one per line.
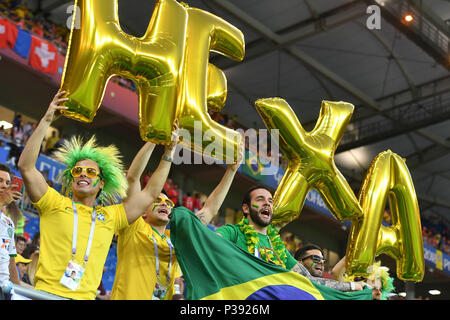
<point>38,25</point>
<point>28,245</point>
<point>27,257</point>
<point>435,234</point>
<point>434,231</point>
<point>20,14</point>
<point>17,136</point>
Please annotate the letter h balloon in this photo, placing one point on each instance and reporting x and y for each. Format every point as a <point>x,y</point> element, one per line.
<point>168,64</point>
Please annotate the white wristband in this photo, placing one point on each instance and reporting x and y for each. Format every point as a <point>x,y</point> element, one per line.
<point>352,286</point>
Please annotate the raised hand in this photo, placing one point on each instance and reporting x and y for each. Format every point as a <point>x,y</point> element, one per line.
<point>170,149</point>
<point>6,196</point>
<point>53,111</point>
<point>16,195</point>
<point>240,156</point>
<point>175,135</point>
<point>34,181</point>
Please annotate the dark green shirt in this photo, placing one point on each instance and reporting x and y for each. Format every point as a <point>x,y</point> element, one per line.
<point>234,234</point>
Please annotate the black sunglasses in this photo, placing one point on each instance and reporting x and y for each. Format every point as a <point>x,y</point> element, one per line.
<point>315,258</point>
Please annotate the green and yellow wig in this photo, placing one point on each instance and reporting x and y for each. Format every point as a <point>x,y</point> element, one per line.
<point>108,160</point>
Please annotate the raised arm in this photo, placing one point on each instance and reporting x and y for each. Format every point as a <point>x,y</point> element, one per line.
<point>34,181</point>
<point>216,198</point>
<point>338,285</point>
<point>137,203</point>
<point>339,269</point>
<point>137,168</point>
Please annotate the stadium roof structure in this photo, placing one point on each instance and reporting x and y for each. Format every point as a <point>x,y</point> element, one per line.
<point>306,51</point>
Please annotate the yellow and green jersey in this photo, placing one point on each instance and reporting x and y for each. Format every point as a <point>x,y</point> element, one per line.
<point>136,263</point>
<point>56,227</point>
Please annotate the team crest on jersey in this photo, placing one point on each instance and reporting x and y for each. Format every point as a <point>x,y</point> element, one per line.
<point>100,217</point>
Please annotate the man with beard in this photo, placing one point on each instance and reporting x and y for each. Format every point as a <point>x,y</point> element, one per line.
<point>255,234</point>
<point>311,256</point>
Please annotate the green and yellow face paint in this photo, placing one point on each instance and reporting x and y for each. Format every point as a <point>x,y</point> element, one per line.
<point>160,200</point>
<point>97,180</point>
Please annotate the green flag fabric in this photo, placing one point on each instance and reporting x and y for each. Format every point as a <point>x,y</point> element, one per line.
<point>215,268</point>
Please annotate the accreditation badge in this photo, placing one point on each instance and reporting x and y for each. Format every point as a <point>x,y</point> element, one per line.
<point>72,276</point>
<point>159,293</point>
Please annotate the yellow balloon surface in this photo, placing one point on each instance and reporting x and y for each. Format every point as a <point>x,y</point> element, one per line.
<point>310,158</point>
<point>388,180</point>
<point>311,166</point>
<point>216,88</point>
<point>207,32</point>
<point>168,64</point>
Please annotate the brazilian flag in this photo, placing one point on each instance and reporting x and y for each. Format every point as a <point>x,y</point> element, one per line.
<point>216,269</point>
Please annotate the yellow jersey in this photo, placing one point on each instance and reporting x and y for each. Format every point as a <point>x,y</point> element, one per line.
<point>56,227</point>
<point>136,263</point>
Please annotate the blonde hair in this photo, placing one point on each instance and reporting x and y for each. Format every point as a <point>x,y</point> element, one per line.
<point>33,266</point>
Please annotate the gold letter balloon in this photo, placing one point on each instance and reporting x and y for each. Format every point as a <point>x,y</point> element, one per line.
<point>311,158</point>
<point>388,179</point>
<point>311,166</point>
<point>168,64</point>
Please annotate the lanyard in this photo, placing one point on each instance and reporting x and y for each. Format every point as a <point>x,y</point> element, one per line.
<point>157,259</point>
<point>75,233</point>
<point>256,253</point>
